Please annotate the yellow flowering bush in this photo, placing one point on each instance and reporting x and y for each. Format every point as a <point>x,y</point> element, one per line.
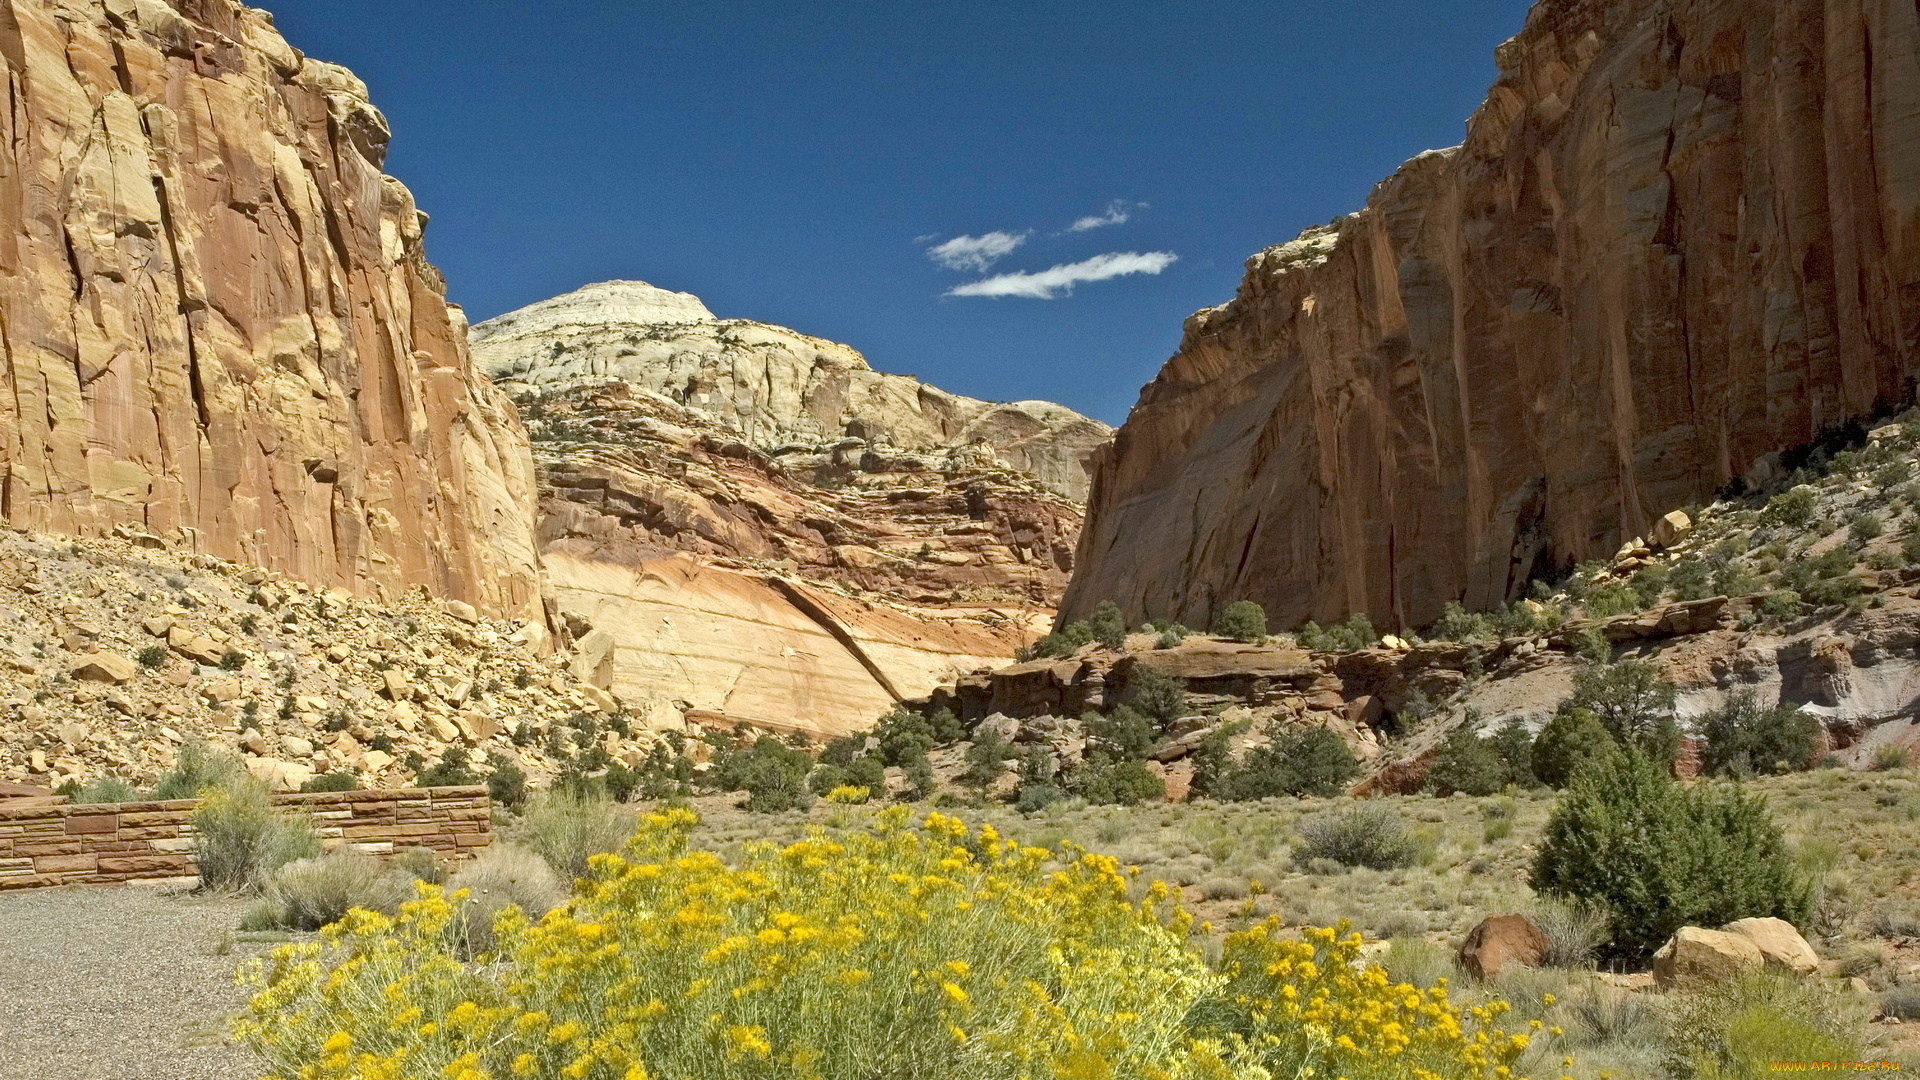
<point>897,951</point>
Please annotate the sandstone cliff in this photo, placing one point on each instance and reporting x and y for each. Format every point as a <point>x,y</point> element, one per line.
<point>1678,237</point>
<point>774,385</point>
<point>804,589</point>
<point>216,319</point>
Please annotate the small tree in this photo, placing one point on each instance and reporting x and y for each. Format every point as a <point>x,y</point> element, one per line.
<point>1310,762</point>
<point>1513,745</point>
<point>1128,734</point>
<point>1103,780</point>
<point>1633,703</point>
<point>1161,696</point>
<point>1037,787</point>
<point>1213,767</point>
<point>1466,763</point>
<point>1570,740</point>
<point>1108,626</point>
<point>1243,621</point>
<point>1660,856</point>
<point>986,761</point>
<point>1744,738</point>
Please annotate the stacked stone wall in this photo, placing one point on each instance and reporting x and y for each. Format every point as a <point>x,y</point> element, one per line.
<point>94,844</point>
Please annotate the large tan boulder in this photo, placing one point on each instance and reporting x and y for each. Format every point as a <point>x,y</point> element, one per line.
<point>1712,955</point>
<point>1501,942</point>
<point>1780,945</point>
<point>104,667</point>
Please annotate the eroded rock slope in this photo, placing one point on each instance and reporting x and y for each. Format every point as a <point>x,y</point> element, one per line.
<point>217,321</point>
<point>1678,238</point>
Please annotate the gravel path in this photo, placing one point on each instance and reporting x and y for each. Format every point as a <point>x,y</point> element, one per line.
<point>118,984</point>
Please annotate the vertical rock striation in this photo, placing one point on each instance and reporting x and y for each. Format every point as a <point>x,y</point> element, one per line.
<point>1680,236</point>
<point>216,318</point>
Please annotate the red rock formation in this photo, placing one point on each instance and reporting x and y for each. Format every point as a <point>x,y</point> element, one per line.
<point>1679,236</point>
<point>216,319</point>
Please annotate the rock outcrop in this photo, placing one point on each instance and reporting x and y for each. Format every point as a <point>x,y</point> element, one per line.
<point>775,386</point>
<point>1678,238</point>
<point>801,589</point>
<point>217,322</point>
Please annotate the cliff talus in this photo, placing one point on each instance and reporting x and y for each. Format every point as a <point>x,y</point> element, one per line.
<point>1679,237</point>
<point>216,319</point>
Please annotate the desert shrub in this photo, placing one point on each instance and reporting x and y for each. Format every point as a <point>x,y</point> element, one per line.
<point>107,789</point>
<point>918,773</point>
<point>197,768</point>
<point>1365,834</point>
<point>1107,781</point>
<point>868,772</point>
<point>1571,739</point>
<point>1107,625</point>
<point>773,774</point>
<point>334,780</point>
<point>986,761</point>
<point>1467,764</point>
<point>504,877</point>
<point>152,656</point>
<point>1743,738</point>
<point>1792,508</point>
<point>1574,930</point>
<point>843,750</point>
<point>506,781</point>
<point>567,829</point>
<point>1890,757</point>
<point>1691,579</point>
<point>307,894</point>
<point>419,864</point>
<point>1901,1003</point>
<point>1312,761</point>
<point>1512,744</point>
<point>1243,621</point>
<point>1456,623</point>
<point>1171,637</point>
<point>1033,798</point>
<point>825,778</point>
<point>1741,1028</point>
<point>239,838</point>
<point>1351,636</point>
<point>1864,527</point>
<point>1160,696</point>
<point>901,952</point>
<point>1616,598</point>
<point>1061,643</point>
<point>1125,733</point>
<point>1660,855</point>
<point>1213,767</point>
<point>1632,702</point>
<point>454,769</point>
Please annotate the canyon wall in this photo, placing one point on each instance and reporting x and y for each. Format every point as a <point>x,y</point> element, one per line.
<point>1680,236</point>
<point>217,321</point>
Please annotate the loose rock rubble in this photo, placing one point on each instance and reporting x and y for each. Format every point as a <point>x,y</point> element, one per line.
<point>114,653</point>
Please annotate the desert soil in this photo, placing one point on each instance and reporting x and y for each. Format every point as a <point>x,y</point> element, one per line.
<point>119,984</point>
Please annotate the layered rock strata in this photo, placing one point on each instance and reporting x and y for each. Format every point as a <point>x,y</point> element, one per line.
<point>777,387</point>
<point>1678,238</point>
<point>804,589</point>
<point>217,322</point>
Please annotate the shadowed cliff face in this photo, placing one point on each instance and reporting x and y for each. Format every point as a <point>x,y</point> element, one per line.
<point>216,319</point>
<point>1679,236</point>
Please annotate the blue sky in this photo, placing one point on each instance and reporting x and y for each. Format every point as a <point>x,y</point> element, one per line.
<point>804,163</point>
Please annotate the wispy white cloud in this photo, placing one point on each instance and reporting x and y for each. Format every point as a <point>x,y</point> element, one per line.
<point>1060,280</point>
<point>976,252</point>
<point>1118,212</point>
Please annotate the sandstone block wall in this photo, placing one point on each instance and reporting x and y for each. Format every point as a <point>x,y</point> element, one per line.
<point>1679,236</point>
<point>95,844</point>
<point>217,320</point>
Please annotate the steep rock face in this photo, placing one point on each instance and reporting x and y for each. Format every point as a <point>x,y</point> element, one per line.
<point>796,590</point>
<point>1679,237</point>
<point>216,318</point>
<point>776,386</point>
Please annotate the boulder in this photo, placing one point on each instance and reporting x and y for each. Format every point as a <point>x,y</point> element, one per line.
<point>1501,942</point>
<point>198,648</point>
<point>1672,529</point>
<point>1694,953</point>
<point>461,610</point>
<point>104,667</point>
<point>1780,945</point>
